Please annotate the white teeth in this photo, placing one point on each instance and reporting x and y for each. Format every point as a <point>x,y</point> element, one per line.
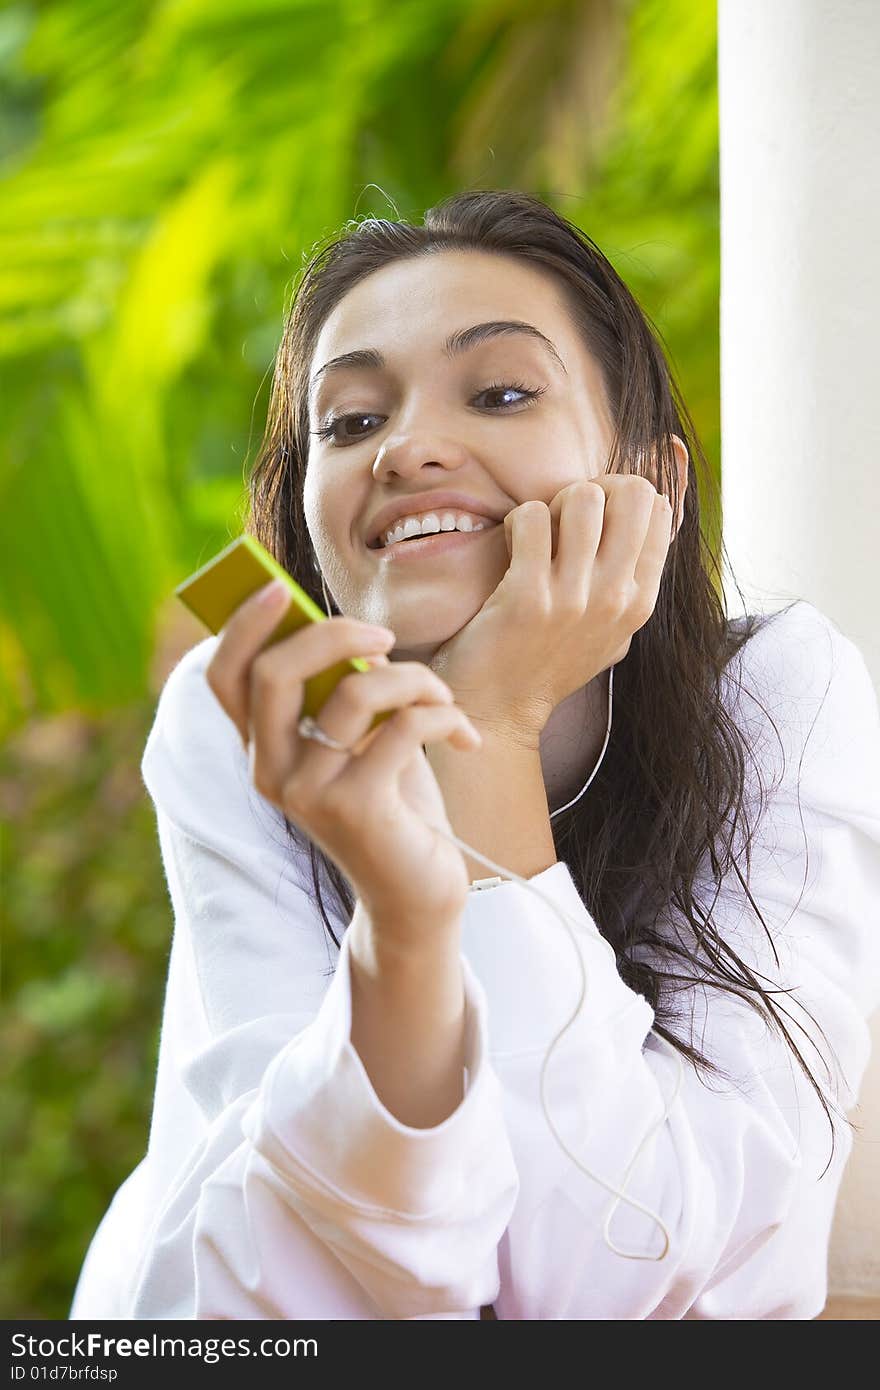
<point>430,524</point>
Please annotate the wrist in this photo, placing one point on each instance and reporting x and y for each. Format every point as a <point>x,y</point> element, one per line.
<point>510,732</point>
<point>505,739</point>
<point>496,801</point>
<point>387,946</point>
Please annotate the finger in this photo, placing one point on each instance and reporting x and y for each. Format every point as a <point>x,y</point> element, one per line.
<point>581,515</point>
<point>529,539</point>
<point>397,741</point>
<point>345,716</point>
<point>313,647</point>
<point>241,637</point>
<point>628,512</point>
<point>348,714</point>
<point>649,569</point>
<point>597,487</point>
<point>243,634</point>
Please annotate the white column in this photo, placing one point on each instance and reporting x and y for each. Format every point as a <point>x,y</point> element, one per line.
<point>799,111</point>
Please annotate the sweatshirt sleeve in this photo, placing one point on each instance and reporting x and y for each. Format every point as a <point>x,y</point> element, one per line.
<point>737,1169</point>
<point>276,1183</point>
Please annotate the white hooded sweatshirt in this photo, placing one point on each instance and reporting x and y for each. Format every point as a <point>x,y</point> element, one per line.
<point>277,1185</point>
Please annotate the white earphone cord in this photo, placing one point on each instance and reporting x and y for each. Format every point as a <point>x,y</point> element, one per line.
<point>619,1193</point>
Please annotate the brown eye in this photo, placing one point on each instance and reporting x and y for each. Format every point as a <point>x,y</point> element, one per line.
<point>501,388</point>
<point>330,430</point>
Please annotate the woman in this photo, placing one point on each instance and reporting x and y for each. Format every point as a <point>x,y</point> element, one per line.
<point>357,1130</point>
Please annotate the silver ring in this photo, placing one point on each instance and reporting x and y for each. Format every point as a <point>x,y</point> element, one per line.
<point>309,728</point>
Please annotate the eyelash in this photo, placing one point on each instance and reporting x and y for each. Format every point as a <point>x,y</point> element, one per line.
<point>328,430</point>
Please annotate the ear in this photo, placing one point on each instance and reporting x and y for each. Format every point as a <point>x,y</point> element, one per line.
<point>682,459</point>
<point>681,462</point>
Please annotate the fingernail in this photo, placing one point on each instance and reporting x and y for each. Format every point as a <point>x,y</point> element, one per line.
<point>379,634</point>
<point>272,593</point>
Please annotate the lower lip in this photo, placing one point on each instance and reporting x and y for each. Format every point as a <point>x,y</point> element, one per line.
<point>437,544</point>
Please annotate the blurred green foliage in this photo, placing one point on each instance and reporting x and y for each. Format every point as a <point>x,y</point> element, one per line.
<point>83,985</point>
<point>166,168</point>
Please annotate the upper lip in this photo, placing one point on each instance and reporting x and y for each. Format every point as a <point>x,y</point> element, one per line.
<point>427,502</point>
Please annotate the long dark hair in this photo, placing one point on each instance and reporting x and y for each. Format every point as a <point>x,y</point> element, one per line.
<point>674,769</point>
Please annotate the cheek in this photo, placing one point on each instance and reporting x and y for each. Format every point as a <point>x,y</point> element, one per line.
<point>327,521</point>
<point>312,504</point>
<point>555,452</point>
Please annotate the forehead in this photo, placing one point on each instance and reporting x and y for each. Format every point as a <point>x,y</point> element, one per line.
<point>407,308</point>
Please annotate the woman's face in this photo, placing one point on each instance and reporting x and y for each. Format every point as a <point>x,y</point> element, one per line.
<point>433,425</point>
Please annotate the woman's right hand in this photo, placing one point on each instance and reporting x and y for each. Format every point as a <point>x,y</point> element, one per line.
<point>372,809</point>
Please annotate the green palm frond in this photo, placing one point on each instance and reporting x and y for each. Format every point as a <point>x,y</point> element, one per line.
<point>171,163</point>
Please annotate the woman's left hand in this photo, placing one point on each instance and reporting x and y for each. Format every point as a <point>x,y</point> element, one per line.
<point>557,621</point>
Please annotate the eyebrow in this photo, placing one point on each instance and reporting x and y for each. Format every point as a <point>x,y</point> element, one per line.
<point>460,341</point>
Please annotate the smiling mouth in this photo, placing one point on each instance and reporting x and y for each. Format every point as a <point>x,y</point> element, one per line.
<point>433,542</point>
